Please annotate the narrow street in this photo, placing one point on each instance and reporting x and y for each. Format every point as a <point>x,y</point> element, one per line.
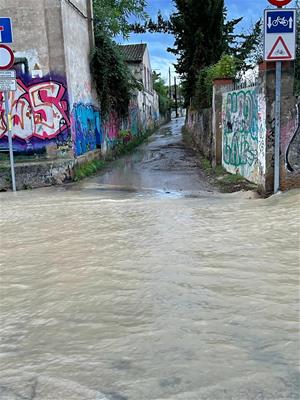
<point>146,283</point>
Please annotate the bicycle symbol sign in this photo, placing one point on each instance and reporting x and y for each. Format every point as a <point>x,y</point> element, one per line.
<point>280,34</point>
<point>280,21</point>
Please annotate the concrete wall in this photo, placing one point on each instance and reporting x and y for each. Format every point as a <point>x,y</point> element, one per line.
<point>242,133</point>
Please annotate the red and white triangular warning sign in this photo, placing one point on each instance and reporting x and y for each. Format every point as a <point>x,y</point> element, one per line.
<point>279,51</point>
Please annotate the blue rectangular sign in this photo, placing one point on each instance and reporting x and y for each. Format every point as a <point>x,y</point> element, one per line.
<point>280,21</point>
<point>5,30</point>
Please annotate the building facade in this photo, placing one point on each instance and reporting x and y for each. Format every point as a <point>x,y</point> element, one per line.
<point>55,111</point>
<point>138,60</point>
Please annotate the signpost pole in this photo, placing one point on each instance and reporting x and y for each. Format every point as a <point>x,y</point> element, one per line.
<point>277,126</point>
<point>11,153</point>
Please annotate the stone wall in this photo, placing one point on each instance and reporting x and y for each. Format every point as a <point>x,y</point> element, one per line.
<point>199,126</point>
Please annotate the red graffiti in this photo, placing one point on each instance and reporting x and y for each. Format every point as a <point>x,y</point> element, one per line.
<point>37,110</point>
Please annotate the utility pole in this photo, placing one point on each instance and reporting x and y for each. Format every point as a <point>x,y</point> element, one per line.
<point>170,91</point>
<point>175,96</point>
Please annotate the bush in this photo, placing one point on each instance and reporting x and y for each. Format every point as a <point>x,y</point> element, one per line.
<point>226,67</point>
<point>113,79</point>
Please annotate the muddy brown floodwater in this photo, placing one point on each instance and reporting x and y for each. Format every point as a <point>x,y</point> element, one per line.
<point>144,283</point>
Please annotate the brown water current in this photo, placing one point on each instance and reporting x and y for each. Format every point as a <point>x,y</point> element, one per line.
<point>145,283</point>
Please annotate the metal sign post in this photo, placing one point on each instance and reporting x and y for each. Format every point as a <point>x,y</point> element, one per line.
<point>279,45</point>
<point>277,126</point>
<point>8,83</point>
<point>10,144</point>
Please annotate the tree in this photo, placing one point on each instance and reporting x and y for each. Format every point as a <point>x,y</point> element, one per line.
<point>202,36</point>
<point>112,15</point>
<point>199,40</point>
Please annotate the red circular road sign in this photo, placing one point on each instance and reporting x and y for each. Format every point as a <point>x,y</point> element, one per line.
<point>279,3</point>
<point>7,57</point>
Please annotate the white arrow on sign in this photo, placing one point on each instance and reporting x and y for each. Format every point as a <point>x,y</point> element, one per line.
<point>269,22</point>
<point>291,23</point>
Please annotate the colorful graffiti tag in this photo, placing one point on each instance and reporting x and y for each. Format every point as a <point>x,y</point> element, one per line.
<point>240,133</point>
<point>86,128</point>
<point>39,111</point>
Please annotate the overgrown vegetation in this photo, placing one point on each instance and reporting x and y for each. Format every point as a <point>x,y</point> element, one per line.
<point>113,79</point>
<point>112,15</point>
<point>226,67</point>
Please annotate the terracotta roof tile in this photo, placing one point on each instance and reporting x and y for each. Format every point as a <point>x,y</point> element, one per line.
<point>133,52</point>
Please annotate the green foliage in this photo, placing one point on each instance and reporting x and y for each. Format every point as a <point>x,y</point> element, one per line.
<point>113,79</point>
<point>163,94</point>
<point>202,35</point>
<point>226,67</point>
<point>198,35</point>
<point>87,169</point>
<point>112,15</point>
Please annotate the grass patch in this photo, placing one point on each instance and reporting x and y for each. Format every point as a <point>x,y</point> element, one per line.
<point>225,181</point>
<point>206,165</point>
<point>88,169</point>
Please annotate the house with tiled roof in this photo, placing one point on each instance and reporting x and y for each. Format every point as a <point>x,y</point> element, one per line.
<point>138,60</point>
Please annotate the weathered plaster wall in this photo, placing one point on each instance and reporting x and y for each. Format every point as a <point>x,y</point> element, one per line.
<point>241,133</point>
<point>290,127</point>
<point>86,121</point>
<point>40,106</point>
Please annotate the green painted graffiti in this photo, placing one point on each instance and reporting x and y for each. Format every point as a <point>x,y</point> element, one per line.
<point>240,127</point>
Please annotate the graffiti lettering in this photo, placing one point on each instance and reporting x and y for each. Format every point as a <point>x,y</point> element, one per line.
<point>39,110</point>
<point>240,132</point>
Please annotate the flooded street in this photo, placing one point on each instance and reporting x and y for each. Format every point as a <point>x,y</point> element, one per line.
<point>145,283</point>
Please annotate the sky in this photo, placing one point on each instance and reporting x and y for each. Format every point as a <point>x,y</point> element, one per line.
<point>161,60</point>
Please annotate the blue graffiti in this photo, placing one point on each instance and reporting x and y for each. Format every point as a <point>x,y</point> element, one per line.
<point>87,128</point>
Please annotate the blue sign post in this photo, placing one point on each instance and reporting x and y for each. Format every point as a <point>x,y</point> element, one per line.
<point>5,30</point>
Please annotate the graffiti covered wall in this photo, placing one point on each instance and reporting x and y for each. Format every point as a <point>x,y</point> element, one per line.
<point>40,115</point>
<point>243,134</point>
<point>86,128</point>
